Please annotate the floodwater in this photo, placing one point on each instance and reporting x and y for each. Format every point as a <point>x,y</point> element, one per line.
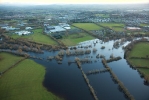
<point>67,80</point>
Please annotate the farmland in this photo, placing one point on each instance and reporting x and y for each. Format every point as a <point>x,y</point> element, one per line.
<point>87,26</point>
<point>24,81</point>
<point>140,50</point>
<point>114,26</point>
<point>74,39</point>
<point>37,36</point>
<point>7,60</point>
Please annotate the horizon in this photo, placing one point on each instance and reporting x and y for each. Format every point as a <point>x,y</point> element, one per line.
<point>61,2</point>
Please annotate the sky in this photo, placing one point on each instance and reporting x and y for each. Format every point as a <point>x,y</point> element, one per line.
<point>75,1</point>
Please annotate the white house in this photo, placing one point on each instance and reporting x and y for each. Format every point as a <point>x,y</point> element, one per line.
<point>28,28</point>
<point>23,32</point>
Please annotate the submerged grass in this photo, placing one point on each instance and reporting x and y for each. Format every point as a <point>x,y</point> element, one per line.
<point>24,82</point>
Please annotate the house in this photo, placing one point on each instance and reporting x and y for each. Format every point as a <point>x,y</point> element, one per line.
<point>54,29</point>
<point>28,28</point>
<point>23,32</point>
<point>57,29</point>
<point>64,25</point>
<point>50,27</point>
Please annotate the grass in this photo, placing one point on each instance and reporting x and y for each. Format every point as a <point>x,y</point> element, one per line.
<point>7,60</point>
<point>24,82</point>
<point>145,71</point>
<point>130,32</point>
<point>144,24</point>
<point>72,39</point>
<point>9,21</point>
<point>114,26</point>
<point>139,62</point>
<point>140,50</point>
<point>37,36</point>
<point>87,26</point>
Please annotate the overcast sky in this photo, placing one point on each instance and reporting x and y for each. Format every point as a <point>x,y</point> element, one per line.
<point>75,1</point>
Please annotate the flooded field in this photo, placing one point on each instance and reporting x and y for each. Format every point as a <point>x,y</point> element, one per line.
<point>66,80</point>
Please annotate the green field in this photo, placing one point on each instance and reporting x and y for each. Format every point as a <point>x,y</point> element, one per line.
<point>140,50</point>
<point>87,26</point>
<point>130,32</point>
<point>145,71</point>
<point>37,36</point>
<point>114,26</point>
<point>140,62</point>
<point>9,21</point>
<point>7,60</point>
<point>24,82</point>
<point>144,24</point>
<point>73,39</point>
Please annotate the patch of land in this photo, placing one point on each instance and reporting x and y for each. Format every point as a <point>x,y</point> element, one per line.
<point>24,82</point>
<point>37,36</point>
<point>87,26</point>
<point>140,50</point>
<point>113,26</point>
<point>74,39</point>
<point>7,60</point>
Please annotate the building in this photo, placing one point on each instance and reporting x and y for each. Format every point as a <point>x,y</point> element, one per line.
<point>133,28</point>
<point>28,28</point>
<point>23,32</point>
<point>50,27</point>
<point>57,29</point>
<point>9,28</point>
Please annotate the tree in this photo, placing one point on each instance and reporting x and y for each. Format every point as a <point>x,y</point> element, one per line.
<point>94,49</point>
<point>19,50</point>
<point>2,31</point>
<point>146,78</point>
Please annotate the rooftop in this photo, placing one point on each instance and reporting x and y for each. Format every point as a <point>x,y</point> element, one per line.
<point>23,32</point>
